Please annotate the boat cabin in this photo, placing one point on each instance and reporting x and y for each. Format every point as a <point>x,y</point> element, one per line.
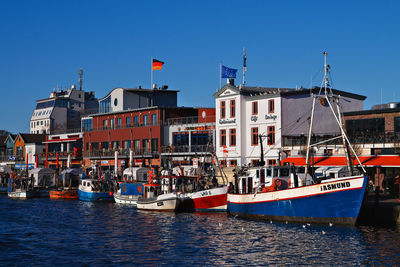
<point>178,184</point>
<point>43,177</point>
<point>271,178</point>
<point>328,172</point>
<point>136,174</point>
<point>94,185</point>
<point>151,191</point>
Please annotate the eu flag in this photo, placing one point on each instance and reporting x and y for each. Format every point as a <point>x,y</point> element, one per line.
<point>228,72</point>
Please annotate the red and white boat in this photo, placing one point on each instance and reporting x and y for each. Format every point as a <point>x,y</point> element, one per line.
<point>214,199</point>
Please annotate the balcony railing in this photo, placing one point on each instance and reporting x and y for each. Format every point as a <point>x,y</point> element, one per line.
<point>388,137</point>
<point>122,152</point>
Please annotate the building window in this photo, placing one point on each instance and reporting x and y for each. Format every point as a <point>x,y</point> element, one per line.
<point>136,121</point>
<point>105,124</point>
<point>223,138</point>
<point>271,135</point>
<point>105,105</point>
<point>233,163</point>
<point>396,124</point>
<point>115,144</point>
<point>153,119</point>
<point>232,137</point>
<point>127,144</point>
<point>271,162</point>
<point>180,139</point>
<point>137,146</point>
<point>233,109</point>
<point>254,108</point>
<point>271,106</point>
<point>95,146</point>
<point>222,109</point>
<point>154,144</point>
<point>104,146</point>
<point>145,145</point>
<point>222,163</point>
<point>128,121</point>
<point>254,136</point>
<point>146,120</point>
<point>111,123</point>
<point>118,122</point>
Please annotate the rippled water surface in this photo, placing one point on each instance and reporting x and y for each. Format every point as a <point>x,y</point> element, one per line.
<point>56,232</point>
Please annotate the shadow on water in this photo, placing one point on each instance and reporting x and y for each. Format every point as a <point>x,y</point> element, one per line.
<point>45,232</point>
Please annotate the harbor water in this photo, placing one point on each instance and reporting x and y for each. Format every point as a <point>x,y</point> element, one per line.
<point>48,232</point>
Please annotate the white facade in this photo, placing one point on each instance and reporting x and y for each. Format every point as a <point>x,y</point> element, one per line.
<point>61,111</point>
<point>32,149</point>
<point>269,112</point>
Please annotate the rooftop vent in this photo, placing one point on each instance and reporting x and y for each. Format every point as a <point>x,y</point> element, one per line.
<point>154,86</point>
<point>164,87</point>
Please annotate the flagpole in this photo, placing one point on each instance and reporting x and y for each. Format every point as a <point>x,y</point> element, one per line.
<point>244,65</point>
<point>220,73</point>
<point>151,64</point>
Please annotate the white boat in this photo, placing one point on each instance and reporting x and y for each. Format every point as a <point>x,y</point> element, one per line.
<point>154,200</point>
<point>22,194</point>
<point>128,193</point>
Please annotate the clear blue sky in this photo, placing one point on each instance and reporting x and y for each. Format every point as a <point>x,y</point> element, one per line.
<point>44,43</point>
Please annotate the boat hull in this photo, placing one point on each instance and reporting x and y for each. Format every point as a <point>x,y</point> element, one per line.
<point>207,200</point>
<point>126,199</point>
<point>64,194</point>
<point>336,201</point>
<point>159,204</point>
<point>21,194</point>
<point>94,196</point>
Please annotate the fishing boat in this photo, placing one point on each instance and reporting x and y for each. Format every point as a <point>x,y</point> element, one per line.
<point>155,199</point>
<point>131,188</point>
<point>213,199</point>
<point>21,188</point>
<point>43,180</point>
<point>95,190</point>
<point>279,193</point>
<point>69,185</point>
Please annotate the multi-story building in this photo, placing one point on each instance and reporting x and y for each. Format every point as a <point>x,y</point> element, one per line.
<point>279,115</point>
<point>140,120</point>
<point>27,146</point>
<point>62,111</point>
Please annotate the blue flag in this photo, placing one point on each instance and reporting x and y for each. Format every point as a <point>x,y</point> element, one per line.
<point>228,72</point>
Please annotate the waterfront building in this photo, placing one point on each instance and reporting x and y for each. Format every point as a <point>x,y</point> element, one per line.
<point>10,147</point>
<point>26,147</point>
<point>139,120</point>
<point>62,111</point>
<point>60,148</point>
<point>279,115</point>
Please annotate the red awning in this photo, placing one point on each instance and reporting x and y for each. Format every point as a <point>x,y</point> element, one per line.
<point>370,161</point>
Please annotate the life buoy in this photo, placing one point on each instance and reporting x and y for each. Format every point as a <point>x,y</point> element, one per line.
<point>277,183</point>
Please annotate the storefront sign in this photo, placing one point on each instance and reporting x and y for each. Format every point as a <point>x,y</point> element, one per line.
<point>273,117</point>
<point>221,121</point>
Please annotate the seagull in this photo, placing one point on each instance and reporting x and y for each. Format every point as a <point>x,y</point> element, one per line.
<point>242,229</point>
<point>220,224</point>
<point>308,224</point>
<point>304,226</point>
<point>286,222</point>
<point>330,224</point>
<point>323,232</point>
<point>270,221</point>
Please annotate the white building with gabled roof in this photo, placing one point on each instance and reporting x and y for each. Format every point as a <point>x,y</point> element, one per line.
<point>280,115</point>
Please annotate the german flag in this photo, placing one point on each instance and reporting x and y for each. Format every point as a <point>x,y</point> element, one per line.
<point>157,64</point>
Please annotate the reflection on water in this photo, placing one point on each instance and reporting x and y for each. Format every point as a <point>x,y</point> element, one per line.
<point>47,232</point>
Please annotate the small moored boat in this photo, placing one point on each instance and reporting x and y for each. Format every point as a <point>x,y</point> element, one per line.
<point>153,199</point>
<point>95,190</point>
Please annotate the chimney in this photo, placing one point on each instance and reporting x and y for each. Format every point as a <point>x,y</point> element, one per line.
<point>231,81</point>
<point>154,86</point>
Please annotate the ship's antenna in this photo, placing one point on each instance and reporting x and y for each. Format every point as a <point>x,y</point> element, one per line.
<point>80,72</point>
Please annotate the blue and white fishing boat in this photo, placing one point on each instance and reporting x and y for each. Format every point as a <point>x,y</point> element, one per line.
<point>95,190</point>
<point>279,193</point>
<point>128,193</point>
<point>132,186</point>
